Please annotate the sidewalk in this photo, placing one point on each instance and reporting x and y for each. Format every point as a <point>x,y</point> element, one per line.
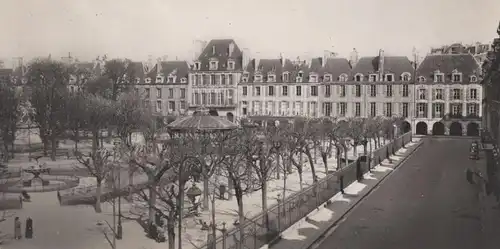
<point>316,224</point>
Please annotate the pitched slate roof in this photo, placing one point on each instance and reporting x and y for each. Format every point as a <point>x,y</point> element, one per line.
<point>446,63</point>
<point>179,68</point>
<point>336,67</point>
<point>221,54</point>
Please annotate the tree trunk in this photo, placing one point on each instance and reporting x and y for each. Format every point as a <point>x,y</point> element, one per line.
<point>181,214</point>
<point>45,142</point>
<point>205,186</point>
<point>12,154</point>
<point>301,182</point>
<point>354,150</point>
<point>151,204</point>
<point>311,164</point>
<point>230,189</point>
<point>324,156</point>
<point>285,177</point>
<point>95,141</point>
<point>264,202</point>
<point>53,149</point>
<point>339,159</point>
<point>171,233</point>
<point>241,220</point>
<point>98,192</point>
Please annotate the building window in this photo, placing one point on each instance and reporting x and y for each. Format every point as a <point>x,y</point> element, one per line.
<point>456,109</point>
<point>328,90</point>
<point>388,91</point>
<point>231,78</point>
<point>422,94</point>
<point>342,109</point>
<point>473,94</point>
<point>284,90</point>
<point>270,90</point>
<point>388,110</point>
<point>159,79</point>
<point>230,65</point>
<point>183,105</point>
<point>456,94</point>
<point>204,98</point>
<point>342,91</point>
<point>421,110</point>
<point>437,110</point>
<point>473,79</point>
<point>257,91</point>
<point>298,91</point>
<point>158,93</point>
<point>357,109</point>
<point>217,79</point>
<point>147,92</point>
<point>406,91</point>
<point>457,77</point>
<point>214,65</point>
<point>183,80</point>
<point>373,109</point>
<point>148,80</point>
<point>372,77</point>
<point>358,77</point>
<point>170,92</point>
<point>285,77</point>
<point>158,106</point>
<point>421,79</point>
<point>137,80</point>
<point>212,79</point>
<point>197,66</point>
<point>389,77</point>
<point>357,91</point>
<point>271,78</point>
<point>439,78</point>
<point>183,93</point>
<point>171,79</point>
<point>245,91</point>
<point>343,78</point>
<point>314,90</point>
<point>196,99</point>
<point>405,110</point>
<point>327,78</point>
<point>406,77</point>
<point>472,109</point>
<point>439,94</point>
<point>223,79</point>
<point>313,78</point>
<point>373,91</point>
<point>258,78</point>
<point>327,109</point>
<point>171,106</point>
<point>213,98</point>
<point>298,79</point>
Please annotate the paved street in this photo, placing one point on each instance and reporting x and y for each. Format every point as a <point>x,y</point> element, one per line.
<point>427,203</point>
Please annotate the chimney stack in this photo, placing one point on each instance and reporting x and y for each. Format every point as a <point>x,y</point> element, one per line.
<point>245,58</point>
<point>353,58</point>
<point>231,49</point>
<point>381,63</point>
<point>213,50</point>
<point>326,55</point>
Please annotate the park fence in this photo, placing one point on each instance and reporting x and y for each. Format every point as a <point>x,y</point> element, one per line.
<point>286,213</point>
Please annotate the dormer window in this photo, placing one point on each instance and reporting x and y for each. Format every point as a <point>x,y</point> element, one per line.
<point>183,80</point>
<point>456,76</point>
<point>372,78</point>
<point>389,77</point>
<point>343,77</point>
<point>286,77</point>
<point>327,78</point>
<point>171,79</point>
<point>421,79</point>
<point>197,66</point>
<point>313,78</point>
<point>137,80</point>
<point>159,79</point>
<point>358,77</point>
<point>148,80</point>
<point>300,74</point>
<point>271,78</point>
<point>473,78</point>
<point>230,65</point>
<point>438,77</point>
<point>405,77</point>
<point>244,79</point>
<point>214,65</point>
<point>258,78</point>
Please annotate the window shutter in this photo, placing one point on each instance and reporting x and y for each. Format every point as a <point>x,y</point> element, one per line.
<point>467,94</point>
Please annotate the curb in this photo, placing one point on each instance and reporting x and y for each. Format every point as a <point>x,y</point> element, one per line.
<point>317,239</point>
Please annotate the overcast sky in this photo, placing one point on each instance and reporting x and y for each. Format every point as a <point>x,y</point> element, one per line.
<point>138,28</point>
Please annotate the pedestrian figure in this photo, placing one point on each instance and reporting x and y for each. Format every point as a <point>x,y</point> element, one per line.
<point>17,228</point>
<point>29,228</point>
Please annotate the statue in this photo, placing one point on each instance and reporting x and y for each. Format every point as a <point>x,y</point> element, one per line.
<point>498,29</point>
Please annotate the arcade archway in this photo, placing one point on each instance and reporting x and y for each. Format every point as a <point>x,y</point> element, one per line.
<point>456,129</point>
<point>473,129</point>
<point>421,128</point>
<point>230,116</point>
<point>406,127</point>
<point>438,129</point>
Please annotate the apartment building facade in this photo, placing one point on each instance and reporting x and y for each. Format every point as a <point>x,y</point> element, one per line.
<point>214,78</point>
<point>164,85</point>
<point>448,95</point>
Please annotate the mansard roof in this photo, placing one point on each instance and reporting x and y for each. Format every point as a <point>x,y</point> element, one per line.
<point>446,64</point>
<point>392,64</point>
<point>178,68</point>
<point>220,49</point>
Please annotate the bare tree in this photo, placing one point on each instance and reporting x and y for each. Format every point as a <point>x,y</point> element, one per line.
<point>48,83</point>
<point>98,164</point>
<point>9,116</point>
<point>303,131</point>
<point>98,112</point>
<point>235,166</point>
